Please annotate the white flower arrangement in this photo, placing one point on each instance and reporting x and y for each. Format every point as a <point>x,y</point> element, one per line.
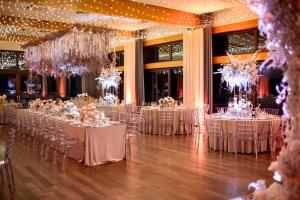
<point>110,98</point>
<point>166,102</point>
<point>83,96</point>
<point>239,73</point>
<point>109,78</point>
<point>89,112</point>
<point>36,104</point>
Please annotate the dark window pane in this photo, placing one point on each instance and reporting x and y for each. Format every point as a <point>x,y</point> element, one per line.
<point>8,60</point>
<point>120,58</point>
<point>164,53</point>
<point>220,92</point>
<point>51,87</point>
<point>150,90</point>
<point>177,51</point>
<point>74,86</point>
<point>239,43</point>
<point>177,84</point>
<point>162,84</point>
<point>121,88</point>
<point>234,42</point>
<point>8,84</point>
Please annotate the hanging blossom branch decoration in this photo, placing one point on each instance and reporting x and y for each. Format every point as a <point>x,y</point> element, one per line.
<point>279,20</point>
<point>239,73</point>
<point>70,52</point>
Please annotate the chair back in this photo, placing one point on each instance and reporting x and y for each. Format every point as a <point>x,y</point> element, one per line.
<point>166,116</point>
<point>246,129</point>
<point>133,124</point>
<point>9,143</point>
<point>213,128</point>
<point>113,116</point>
<point>123,118</point>
<point>271,111</point>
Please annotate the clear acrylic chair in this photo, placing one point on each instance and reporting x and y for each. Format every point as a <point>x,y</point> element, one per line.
<point>271,111</point>
<point>50,137</point>
<point>221,109</point>
<point>5,160</point>
<point>65,143</point>
<point>214,132</point>
<point>132,132</point>
<point>246,132</point>
<point>123,118</point>
<point>113,116</point>
<point>136,109</point>
<point>274,137</point>
<point>167,121</point>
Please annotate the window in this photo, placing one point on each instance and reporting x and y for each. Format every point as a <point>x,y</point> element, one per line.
<point>240,42</point>
<point>177,84</point>
<point>51,87</point>
<point>163,82</point>
<point>8,84</point>
<point>120,58</point>
<point>8,59</point>
<point>121,88</point>
<point>73,84</point>
<point>163,52</point>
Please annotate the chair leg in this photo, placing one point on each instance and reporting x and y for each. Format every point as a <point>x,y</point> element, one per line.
<point>12,175</point>
<point>256,148</point>
<point>2,176</point>
<point>8,177</point>
<point>236,147</point>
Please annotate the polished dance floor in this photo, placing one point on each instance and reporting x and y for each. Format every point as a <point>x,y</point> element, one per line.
<point>159,168</point>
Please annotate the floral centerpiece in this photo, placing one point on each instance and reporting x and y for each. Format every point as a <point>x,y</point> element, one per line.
<point>109,79</point>
<point>36,104</point>
<point>239,73</point>
<point>83,96</point>
<point>89,112</point>
<point>239,108</point>
<point>166,102</point>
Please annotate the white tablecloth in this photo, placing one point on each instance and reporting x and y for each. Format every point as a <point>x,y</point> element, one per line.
<point>102,144</point>
<point>152,123</point>
<point>229,127</point>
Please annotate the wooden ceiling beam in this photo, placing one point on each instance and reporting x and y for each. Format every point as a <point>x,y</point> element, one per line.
<point>127,9</point>
<point>49,25</point>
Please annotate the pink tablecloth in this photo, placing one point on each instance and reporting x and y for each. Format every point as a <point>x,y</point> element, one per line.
<point>152,123</point>
<point>102,144</point>
<point>229,127</point>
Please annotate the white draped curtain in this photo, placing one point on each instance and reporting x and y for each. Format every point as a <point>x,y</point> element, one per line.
<point>130,72</point>
<point>197,67</point>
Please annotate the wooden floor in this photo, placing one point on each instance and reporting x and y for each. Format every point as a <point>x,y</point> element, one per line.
<point>163,168</point>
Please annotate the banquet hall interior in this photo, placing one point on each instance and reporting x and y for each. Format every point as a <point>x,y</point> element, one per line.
<point>149,99</point>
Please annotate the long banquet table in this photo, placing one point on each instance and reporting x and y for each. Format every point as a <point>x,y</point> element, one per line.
<point>229,127</point>
<point>102,144</point>
<point>152,123</point>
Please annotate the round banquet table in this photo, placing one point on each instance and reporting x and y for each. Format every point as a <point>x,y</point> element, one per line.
<point>229,127</point>
<point>152,124</point>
